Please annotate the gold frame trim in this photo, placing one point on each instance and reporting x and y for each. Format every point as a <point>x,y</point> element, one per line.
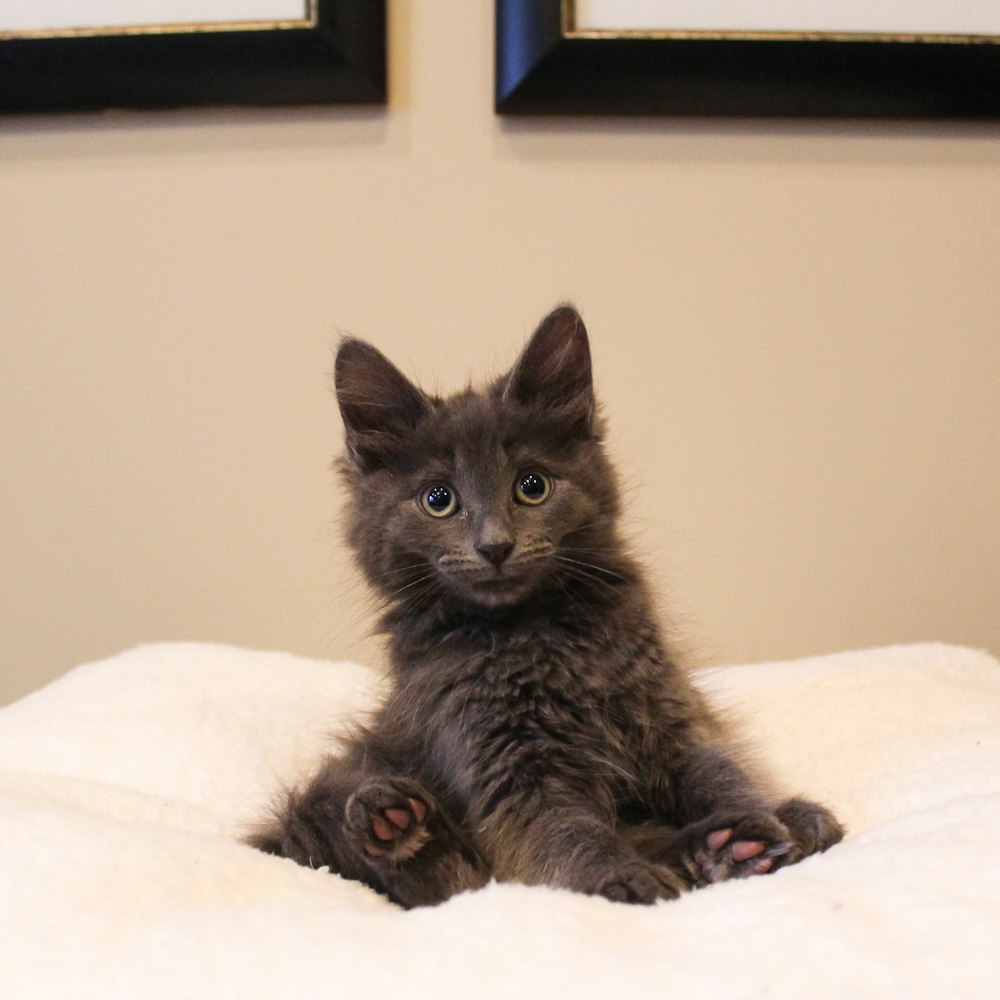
<point>569,30</point>
<point>309,21</point>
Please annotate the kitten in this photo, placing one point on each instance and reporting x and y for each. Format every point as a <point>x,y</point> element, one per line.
<point>537,729</point>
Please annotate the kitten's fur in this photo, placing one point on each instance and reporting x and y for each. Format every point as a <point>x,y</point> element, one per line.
<point>537,728</point>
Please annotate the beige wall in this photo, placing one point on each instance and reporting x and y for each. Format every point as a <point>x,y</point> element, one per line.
<point>794,326</point>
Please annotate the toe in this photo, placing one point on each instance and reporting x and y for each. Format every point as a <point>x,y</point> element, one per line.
<point>744,850</point>
<point>400,818</point>
<point>382,829</point>
<point>718,839</point>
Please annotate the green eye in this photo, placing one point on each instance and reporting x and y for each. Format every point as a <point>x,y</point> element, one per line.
<point>532,488</point>
<point>439,500</point>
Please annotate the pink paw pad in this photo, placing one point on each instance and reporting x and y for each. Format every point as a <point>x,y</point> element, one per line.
<point>391,822</point>
<point>741,850</point>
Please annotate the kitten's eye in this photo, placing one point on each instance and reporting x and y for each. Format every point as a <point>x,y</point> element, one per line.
<point>532,488</point>
<point>439,500</point>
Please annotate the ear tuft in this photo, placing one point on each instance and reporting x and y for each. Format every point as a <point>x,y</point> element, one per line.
<point>554,370</point>
<point>380,406</point>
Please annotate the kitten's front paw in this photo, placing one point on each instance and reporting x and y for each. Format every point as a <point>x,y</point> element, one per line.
<point>387,819</point>
<point>733,846</point>
<point>638,883</point>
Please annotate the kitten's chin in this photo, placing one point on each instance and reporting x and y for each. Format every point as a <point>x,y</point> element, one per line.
<point>495,591</point>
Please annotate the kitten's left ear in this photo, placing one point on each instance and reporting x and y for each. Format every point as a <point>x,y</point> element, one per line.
<point>554,371</point>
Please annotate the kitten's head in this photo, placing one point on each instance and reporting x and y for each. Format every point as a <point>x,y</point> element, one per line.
<point>485,498</point>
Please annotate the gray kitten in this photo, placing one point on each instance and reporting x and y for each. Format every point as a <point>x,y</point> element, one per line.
<point>537,728</point>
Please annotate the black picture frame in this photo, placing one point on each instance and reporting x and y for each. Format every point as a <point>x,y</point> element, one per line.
<point>544,68</point>
<point>338,57</point>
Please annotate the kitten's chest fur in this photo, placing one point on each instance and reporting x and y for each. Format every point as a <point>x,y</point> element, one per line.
<point>509,709</point>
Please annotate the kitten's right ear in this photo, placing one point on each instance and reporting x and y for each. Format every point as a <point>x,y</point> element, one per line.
<point>554,371</point>
<point>380,406</point>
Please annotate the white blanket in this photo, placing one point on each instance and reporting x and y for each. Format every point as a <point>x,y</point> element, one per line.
<point>124,787</point>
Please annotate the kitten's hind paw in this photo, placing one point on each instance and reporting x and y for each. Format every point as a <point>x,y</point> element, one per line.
<point>813,827</point>
<point>387,819</point>
<point>733,846</point>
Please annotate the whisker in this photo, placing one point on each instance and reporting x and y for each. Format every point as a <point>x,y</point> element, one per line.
<point>582,572</point>
<point>415,567</point>
<point>413,583</point>
<point>562,557</point>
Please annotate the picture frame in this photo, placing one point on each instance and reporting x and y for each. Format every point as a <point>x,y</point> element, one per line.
<point>546,65</point>
<point>334,54</point>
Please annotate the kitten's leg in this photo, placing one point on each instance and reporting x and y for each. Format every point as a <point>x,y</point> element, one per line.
<point>730,827</point>
<point>572,848</point>
<point>380,829</point>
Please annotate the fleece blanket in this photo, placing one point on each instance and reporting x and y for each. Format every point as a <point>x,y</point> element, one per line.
<point>125,786</point>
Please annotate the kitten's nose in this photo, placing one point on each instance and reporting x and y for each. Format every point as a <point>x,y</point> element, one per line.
<point>496,553</point>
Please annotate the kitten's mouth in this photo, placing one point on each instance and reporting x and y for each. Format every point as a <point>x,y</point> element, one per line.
<point>498,587</point>
<point>501,579</point>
